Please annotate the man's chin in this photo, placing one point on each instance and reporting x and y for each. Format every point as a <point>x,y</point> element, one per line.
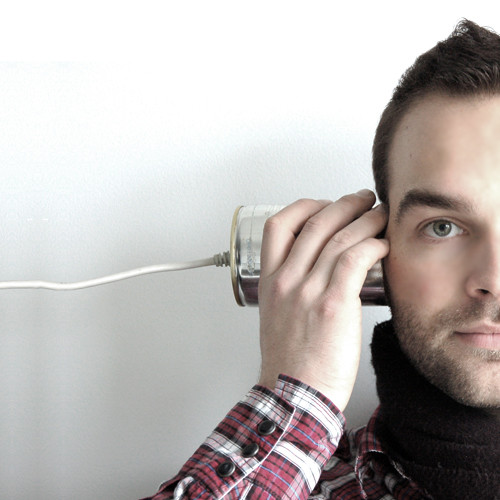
<point>468,373</point>
<point>470,379</point>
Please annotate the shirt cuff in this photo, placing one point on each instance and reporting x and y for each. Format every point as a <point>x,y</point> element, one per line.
<point>306,399</point>
<point>285,435</point>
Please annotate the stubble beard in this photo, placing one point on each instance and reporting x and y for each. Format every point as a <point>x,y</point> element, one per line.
<point>469,375</point>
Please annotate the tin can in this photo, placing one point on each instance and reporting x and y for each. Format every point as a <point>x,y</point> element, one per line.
<point>246,241</point>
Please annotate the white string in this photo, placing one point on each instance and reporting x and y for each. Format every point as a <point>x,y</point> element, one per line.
<point>160,268</point>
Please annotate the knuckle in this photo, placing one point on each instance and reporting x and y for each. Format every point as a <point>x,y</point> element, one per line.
<point>328,306</point>
<point>351,258</point>
<point>305,202</point>
<point>286,289</point>
<point>307,205</point>
<point>313,225</point>
<point>280,285</point>
<point>343,237</point>
<point>272,224</point>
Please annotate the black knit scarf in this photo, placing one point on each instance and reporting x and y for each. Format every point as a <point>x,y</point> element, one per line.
<point>451,450</point>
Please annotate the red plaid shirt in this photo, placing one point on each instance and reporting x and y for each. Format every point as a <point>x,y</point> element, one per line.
<point>289,443</point>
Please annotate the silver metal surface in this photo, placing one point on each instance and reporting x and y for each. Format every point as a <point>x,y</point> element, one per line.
<point>246,242</point>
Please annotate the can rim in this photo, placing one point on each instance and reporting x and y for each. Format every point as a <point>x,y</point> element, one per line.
<point>232,257</point>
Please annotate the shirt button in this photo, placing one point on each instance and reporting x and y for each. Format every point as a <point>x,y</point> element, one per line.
<point>225,469</point>
<point>266,427</point>
<point>250,450</point>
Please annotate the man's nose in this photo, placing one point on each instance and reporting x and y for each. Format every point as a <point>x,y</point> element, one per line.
<point>484,278</point>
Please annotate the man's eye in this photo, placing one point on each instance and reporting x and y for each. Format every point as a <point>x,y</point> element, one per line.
<point>442,229</point>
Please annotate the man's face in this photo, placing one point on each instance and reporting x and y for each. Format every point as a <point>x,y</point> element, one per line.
<point>443,270</point>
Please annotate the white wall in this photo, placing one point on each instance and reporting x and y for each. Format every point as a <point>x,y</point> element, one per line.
<point>109,166</point>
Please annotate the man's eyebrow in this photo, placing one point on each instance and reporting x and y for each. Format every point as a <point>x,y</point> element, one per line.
<point>426,198</point>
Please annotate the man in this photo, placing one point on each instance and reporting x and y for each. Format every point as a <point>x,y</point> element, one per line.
<point>437,431</point>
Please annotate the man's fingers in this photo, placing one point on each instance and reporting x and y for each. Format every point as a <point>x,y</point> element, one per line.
<point>369,225</point>
<point>280,232</point>
<point>350,271</point>
<point>322,226</point>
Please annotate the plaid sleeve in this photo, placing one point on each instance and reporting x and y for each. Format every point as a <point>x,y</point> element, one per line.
<point>272,444</point>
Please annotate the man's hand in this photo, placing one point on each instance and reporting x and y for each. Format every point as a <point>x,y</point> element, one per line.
<point>315,256</point>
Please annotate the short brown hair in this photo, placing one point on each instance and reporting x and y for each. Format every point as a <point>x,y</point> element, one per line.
<point>466,63</point>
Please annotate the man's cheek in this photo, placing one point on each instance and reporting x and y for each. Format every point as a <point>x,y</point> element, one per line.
<point>427,285</point>
<point>407,278</point>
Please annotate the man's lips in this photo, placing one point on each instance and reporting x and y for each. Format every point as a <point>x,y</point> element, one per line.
<point>481,336</point>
